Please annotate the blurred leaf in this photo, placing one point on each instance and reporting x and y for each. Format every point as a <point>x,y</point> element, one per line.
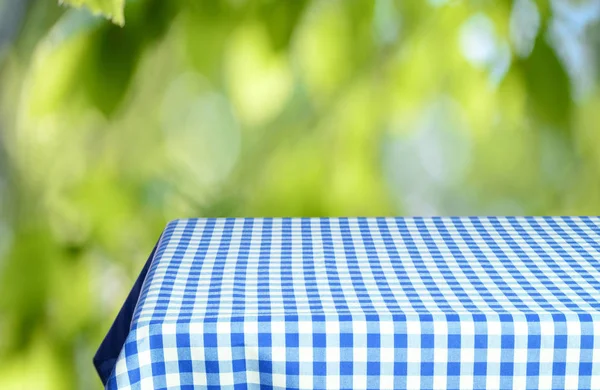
<point>113,53</point>
<point>63,50</point>
<point>260,80</point>
<point>280,19</point>
<point>543,8</point>
<point>548,86</point>
<point>112,9</point>
<point>324,49</point>
<point>24,284</point>
<point>36,367</point>
<point>202,39</point>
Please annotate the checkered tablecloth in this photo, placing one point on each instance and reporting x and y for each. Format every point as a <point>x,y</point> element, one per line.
<point>364,303</point>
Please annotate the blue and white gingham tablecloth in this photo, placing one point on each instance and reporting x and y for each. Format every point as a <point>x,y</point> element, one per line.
<point>363,303</point>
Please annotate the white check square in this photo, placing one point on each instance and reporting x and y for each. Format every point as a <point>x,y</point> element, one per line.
<point>279,380</point>
<point>172,380</point>
<point>170,354</point>
<point>278,354</point>
<point>332,354</point>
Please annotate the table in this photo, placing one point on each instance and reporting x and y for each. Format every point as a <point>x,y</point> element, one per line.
<point>357,303</point>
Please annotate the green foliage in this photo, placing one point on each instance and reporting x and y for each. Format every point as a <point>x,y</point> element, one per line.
<point>112,9</point>
<point>547,81</point>
<point>261,108</point>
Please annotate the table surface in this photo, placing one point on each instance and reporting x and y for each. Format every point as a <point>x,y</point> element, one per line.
<point>492,302</point>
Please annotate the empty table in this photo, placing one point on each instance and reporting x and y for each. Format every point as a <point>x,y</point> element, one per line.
<point>363,303</point>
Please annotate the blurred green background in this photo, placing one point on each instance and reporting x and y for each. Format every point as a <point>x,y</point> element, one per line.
<point>266,108</point>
